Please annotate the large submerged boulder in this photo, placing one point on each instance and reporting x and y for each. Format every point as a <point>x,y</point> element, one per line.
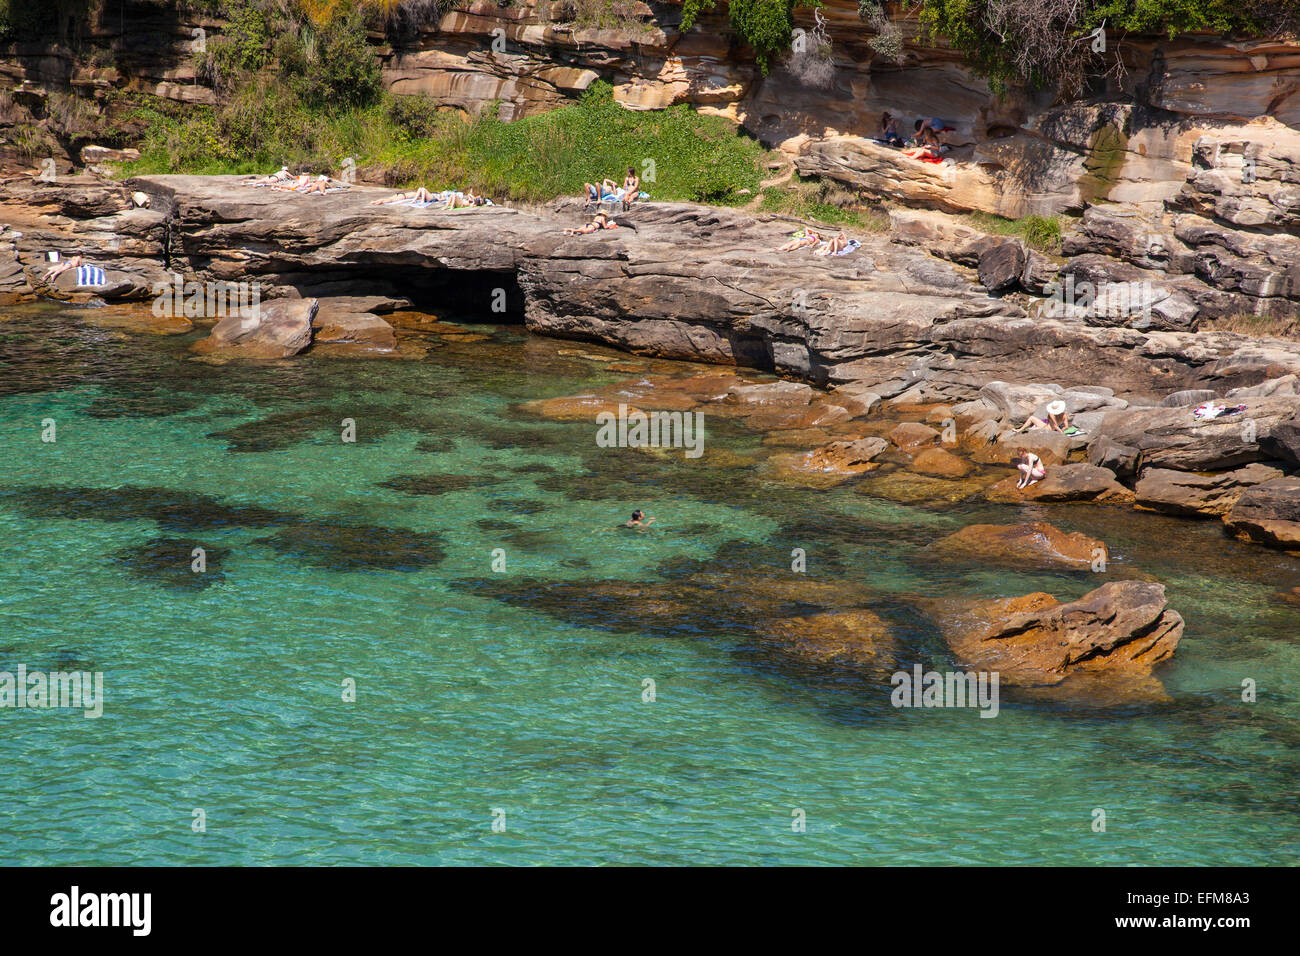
<point>1034,544</point>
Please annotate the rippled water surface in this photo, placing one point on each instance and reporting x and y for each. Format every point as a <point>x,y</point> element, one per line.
<point>522,691</point>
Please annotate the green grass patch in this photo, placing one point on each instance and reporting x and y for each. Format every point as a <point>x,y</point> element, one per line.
<point>680,154</point>
<point>822,201</point>
<point>1038,232</point>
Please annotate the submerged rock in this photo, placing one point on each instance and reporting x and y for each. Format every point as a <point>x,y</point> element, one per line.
<point>1037,543</point>
<point>857,636</point>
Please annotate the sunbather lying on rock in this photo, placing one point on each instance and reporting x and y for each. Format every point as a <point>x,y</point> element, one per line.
<point>599,221</point>
<point>323,185</point>
<point>56,270</point>
<point>800,240</point>
<point>283,176</point>
<point>297,184</point>
<point>420,195</point>
<point>1210,411</point>
<point>459,200</point>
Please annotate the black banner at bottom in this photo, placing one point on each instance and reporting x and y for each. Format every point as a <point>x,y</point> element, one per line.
<point>337,905</point>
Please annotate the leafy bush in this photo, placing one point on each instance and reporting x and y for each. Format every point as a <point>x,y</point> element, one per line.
<point>416,116</point>
<point>766,25</point>
<point>334,64</point>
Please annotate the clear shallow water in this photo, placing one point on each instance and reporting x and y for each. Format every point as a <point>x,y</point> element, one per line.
<point>478,690</point>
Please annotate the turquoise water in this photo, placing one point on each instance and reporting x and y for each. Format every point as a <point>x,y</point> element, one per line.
<point>521,691</point>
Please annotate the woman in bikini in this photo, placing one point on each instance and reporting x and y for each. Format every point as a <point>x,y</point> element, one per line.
<point>1030,467</point>
<point>599,221</point>
<point>801,240</point>
<point>420,195</point>
<point>631,187</point>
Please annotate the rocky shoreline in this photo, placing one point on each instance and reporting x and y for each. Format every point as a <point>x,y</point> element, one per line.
<point>903,372</point>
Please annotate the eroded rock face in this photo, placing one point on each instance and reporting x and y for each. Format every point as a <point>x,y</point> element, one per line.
<point>1187,493</point>
<point>1122,630</point>
<point>1173,438</point>
<point>277,330</point>
<point>1034,544</point>
<point>1268,514</point>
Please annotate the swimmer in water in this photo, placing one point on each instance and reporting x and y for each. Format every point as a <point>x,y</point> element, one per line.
<point>638,520</point>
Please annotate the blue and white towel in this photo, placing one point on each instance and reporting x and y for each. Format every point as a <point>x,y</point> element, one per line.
<point>91,277</point>
<point>853,246</point>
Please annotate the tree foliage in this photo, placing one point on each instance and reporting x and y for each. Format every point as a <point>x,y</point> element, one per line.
<point>766,25</point>
<point>1050,43</point>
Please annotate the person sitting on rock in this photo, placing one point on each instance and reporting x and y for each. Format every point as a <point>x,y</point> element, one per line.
<point>800,240</point>
<point>638,520</point>
<point>631,187</point>
<point>600,221</point>
<point>1030,467</point>
<point>607,191</point>
<point>889,134</point>
<point>1056,419</point>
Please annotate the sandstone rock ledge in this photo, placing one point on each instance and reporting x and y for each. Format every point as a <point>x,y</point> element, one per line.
<point>1104,645</point>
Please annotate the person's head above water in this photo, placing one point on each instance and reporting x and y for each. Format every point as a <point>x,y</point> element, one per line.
<point>638,514</point>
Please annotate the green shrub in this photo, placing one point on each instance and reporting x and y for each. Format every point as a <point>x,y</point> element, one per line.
<point>766,25</point>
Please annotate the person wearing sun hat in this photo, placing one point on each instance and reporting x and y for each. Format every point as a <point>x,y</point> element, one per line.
<point>1057,420</point>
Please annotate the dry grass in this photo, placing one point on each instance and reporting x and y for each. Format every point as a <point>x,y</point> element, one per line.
<point>1257,326</point>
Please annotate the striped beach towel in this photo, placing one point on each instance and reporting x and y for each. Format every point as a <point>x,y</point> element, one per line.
<point>91,276</point>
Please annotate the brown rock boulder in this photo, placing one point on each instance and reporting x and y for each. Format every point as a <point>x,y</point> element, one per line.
<point>1038,543</point>
<point>1122,629</point>
<point>940,464</point>
<point>1187,493</point>
<point>279,329</point>
<point>1268,514</point>
<point>910,436</point>
<point>362,329</point>
<point>1074,482</point>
